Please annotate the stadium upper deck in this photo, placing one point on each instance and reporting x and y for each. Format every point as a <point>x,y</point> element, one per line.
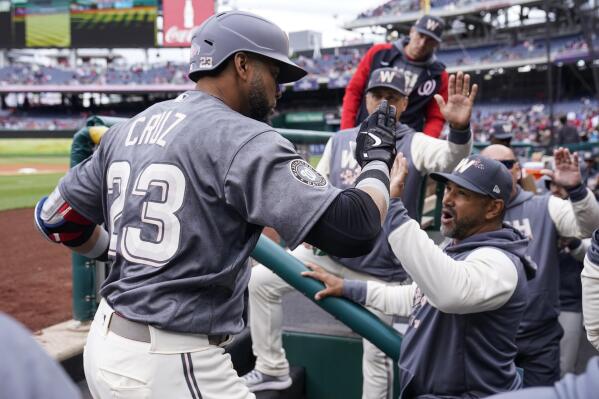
<point>334,67</point>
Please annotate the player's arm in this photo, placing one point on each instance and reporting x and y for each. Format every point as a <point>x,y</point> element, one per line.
<point>579,215</point>
<point>434,120</point>
<point>72,213</point>
<point>324,164</point>
<point>349,227</point>
<point>484,281</point>
<point>392,300</point>
<point>58,222</point>
<point>590,291</point>
<point>355,88</point>
<point>435,155</point>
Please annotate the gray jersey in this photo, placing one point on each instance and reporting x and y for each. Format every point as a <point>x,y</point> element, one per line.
<point>185,188</point>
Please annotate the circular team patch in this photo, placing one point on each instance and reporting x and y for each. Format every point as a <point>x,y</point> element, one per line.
<point>305,173</point>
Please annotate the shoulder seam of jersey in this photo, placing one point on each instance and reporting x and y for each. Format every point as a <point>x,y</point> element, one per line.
<point>243,145</point>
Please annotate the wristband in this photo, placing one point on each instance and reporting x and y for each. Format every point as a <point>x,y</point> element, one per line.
<point>375,174</point>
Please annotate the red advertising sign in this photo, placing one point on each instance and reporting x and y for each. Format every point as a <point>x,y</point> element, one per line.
<point>181,17</point>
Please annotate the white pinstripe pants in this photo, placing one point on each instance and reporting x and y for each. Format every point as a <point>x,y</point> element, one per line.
<point>171,366</point>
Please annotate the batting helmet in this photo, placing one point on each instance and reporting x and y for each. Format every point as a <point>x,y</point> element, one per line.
<point>226,33</point>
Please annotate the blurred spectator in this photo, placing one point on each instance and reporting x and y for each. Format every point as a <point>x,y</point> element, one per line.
<point>26,370</point>
<point>567,134</point>
<point>501,133</point>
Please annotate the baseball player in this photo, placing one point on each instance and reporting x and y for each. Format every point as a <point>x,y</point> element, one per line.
<point>26,370</point>
<point>545,218</point>
<point>424,155</point>
<point>184,189</point>
<point>570,259</point>
<point>467,298</point>
<point>425,76</point>
<point>590,291</point>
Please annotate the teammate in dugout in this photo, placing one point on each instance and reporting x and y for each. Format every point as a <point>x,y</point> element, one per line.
<point>426,77</point>
<point>585,385</point>
<point>467,297</point>
<point>184,189</point>
<point>544,219</point>
<point>424,155</point>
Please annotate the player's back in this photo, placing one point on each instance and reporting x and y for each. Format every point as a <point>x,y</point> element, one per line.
<point>178,240</point>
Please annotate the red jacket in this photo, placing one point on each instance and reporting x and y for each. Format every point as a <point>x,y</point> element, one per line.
<point>354,92</point>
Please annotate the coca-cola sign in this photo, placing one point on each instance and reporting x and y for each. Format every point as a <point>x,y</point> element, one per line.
<point>180,19</point>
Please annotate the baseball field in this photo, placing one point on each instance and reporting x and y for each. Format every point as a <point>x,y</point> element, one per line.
<point>35,275</point>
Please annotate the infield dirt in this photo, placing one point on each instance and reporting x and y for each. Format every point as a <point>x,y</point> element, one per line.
<point>35,275</point>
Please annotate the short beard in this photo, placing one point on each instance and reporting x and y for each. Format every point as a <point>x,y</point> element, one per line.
<point>461,229</point>
<point>259,106</point>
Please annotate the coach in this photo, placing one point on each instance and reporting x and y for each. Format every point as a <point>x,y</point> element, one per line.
<point>543,219</point>
<point>467,299</point>
<point>415,57</point>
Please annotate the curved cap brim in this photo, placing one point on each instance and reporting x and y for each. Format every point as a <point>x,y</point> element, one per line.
<point>428,33</point>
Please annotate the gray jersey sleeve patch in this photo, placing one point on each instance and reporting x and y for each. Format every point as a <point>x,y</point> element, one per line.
<point>305,173</point>
<point>270,185</point>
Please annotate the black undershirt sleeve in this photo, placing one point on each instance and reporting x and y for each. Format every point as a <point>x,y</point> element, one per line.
<point>349,227</point>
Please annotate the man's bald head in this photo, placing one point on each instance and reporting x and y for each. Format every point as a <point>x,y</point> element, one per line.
<point>498,152</point>
<point>506,156</point>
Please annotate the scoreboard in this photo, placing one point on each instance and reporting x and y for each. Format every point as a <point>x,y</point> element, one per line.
<point>78,23</point>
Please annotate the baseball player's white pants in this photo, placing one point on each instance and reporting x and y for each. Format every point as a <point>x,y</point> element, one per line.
<point>171,366</point>
<point>266,314</point>
<point>574,335</point>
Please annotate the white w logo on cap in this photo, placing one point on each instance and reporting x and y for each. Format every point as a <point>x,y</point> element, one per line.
<point>387,76</point>
<point>464,165</point>
<point>431,24</point>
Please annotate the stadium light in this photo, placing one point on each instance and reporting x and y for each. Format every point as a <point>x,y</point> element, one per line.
<point>525,68</point>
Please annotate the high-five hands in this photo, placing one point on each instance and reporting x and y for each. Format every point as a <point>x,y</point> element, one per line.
<point>460,100</point>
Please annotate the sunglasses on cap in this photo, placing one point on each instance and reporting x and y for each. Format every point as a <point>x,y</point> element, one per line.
<point>509,163</point>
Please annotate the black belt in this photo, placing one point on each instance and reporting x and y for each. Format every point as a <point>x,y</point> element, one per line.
<point>141,332</point>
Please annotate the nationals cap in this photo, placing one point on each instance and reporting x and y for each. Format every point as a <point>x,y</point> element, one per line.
<point>390,78</point>
<point>430,26</point>
<point>481,175</point>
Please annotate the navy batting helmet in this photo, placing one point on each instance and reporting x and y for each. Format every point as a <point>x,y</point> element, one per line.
<point>226,33</point>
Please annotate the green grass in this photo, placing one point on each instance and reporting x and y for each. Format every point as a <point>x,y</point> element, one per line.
<point>314,159</point>
<point>35,147</point>
<point>52,30</point>
<point>24,191</point>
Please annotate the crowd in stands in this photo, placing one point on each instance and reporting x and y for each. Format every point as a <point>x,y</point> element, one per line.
<point>530,123</point>
<point>30,74</point>
<point>10,122</point>
<point>332,66</point>
<point>398,7</point>
<point>339,64</point>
